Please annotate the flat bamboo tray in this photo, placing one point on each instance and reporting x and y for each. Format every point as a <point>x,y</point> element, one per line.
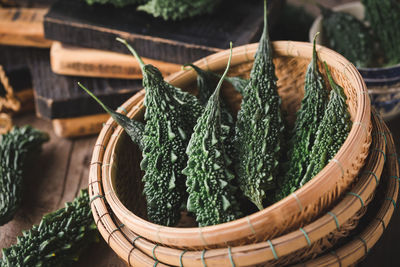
<point>130,247</point>
<point>303,243</point>
<point>296,210</point>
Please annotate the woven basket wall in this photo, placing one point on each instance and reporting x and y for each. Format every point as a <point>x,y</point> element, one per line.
<point>307,242</point>
<point>296,210</point>
<point>372,226</point>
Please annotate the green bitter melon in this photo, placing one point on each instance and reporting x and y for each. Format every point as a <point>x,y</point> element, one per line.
<point>206,82</point>
<point>384,18</point>
<point>238,83</point>
<point>209,180</point>
<point>259,126</point>
<point>308,119</point>
<point>15,149</point>
<point>58,240</point>
<point>348,36</point>
<point>132,127</point>
<point>170,117</point>
<point>332,131</point>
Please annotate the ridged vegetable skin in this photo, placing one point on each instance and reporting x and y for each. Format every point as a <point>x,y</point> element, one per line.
<point>348,36</point>
<point>206,82</point>
<point>58,240</point>
<point>304,133</point>
<point>170,117</point>
<point>15,149</point>
<point>384,18</point>
<point>259,126</point>
<point>238,83</point>
<point>209,180</point>
<point>332,132</point>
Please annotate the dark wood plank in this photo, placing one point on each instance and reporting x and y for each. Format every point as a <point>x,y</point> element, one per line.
<point>58,96</point>
<point>74,22</point>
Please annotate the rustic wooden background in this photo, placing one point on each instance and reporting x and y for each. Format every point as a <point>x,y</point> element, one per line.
<point>62,170</point>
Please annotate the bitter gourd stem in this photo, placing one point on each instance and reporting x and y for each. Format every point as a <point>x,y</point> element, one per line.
<point>95,98</point>
<point>217,90</point>
<point>134,53</point>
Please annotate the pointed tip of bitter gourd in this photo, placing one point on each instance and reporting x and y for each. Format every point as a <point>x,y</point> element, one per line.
<point>133,128</point>
<point>133,51</point>
<point>335,87</point>
<point>314,52</point>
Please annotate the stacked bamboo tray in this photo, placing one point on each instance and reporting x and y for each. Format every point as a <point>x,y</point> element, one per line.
<point>298,228</point>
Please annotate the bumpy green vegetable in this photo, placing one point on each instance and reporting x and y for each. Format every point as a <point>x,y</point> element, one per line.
<point>178,9</point>
<point>384,17</point>
<point>259,127</point>
<point>170,117</point>
<point>347,35</point>
<point>132,127</point>
<point>305,129</point>
<point>206,81</point>
<point>58,240</point>
<point>211,195</point>
<point>332,131</point>
<point>15,149</point>
<point>117,3</point>
<point>238,83</point>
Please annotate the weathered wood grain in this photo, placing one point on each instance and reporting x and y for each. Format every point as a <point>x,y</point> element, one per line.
<point>23,27</point>
<point>79,126</point>
<point>87,62</point>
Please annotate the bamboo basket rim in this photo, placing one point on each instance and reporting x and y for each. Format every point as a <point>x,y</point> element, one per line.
<point>358,248</point>
<point>303,197</point>
<point>299,239</point>
<point>126,249</point>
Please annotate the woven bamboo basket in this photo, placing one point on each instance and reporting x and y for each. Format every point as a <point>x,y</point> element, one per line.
<point>291,60</point>
<point>374,223</point>
<point>303,243</point>
<point>129,247</point>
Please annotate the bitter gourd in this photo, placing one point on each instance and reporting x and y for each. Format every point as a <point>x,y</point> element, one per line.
<point>308,119</point>
<point>384,18</point>
<point>206,81</point>
<point>179,9</point>
<point>132,127</point>
<point>348,36</point>
<point>211,195</point>
<point>259,126</point>
<point>238,83</point>
<point>15,149</point>
<point>58,240</point>
<point>170,117</point>
<point>332,131</point>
